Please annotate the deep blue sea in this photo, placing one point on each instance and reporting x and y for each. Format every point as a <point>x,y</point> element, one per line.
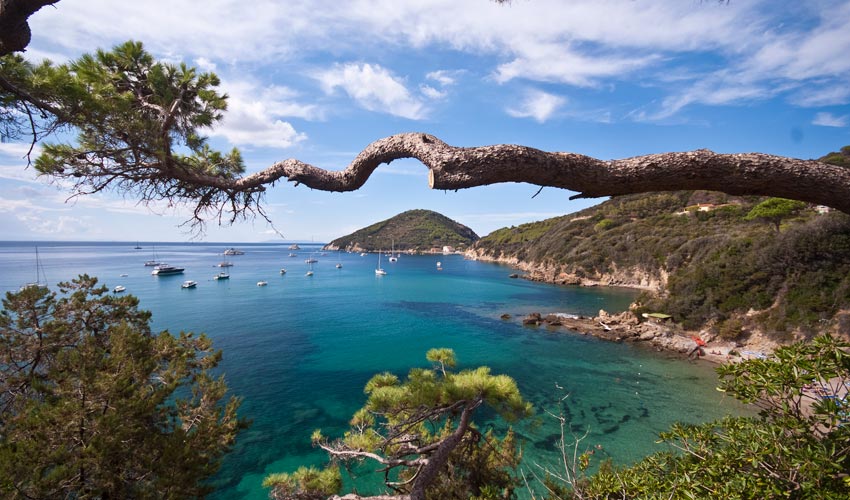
<point>300,350</point>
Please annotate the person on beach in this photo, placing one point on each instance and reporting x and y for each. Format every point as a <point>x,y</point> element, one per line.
<point>697,350</point>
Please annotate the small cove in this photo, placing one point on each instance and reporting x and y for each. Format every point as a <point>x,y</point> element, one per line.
<point>300,350</point>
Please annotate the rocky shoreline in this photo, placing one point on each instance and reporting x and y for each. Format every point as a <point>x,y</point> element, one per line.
<point>657,333</point>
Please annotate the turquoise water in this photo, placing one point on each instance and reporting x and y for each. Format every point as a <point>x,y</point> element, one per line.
<point>300,350</point>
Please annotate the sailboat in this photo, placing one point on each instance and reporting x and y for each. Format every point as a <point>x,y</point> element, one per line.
<point>310,269</point>
<point>225,262</point>
<point>393,256</point>
<point>154,262</point>
<point>379,271</point>
<point>339,259</point>
<point>40,279</point>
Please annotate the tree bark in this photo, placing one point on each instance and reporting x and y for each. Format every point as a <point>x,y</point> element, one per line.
<point>14,30</point>
<point>458,168</point>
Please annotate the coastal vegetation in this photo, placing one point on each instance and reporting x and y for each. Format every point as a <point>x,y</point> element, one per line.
<point>421,431</point>
<point>95,405</point>
<point>796,447</point>
<point>411,231</point>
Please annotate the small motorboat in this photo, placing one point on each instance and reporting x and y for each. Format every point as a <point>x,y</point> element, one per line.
<point>189,284</point>
<point>262,283</point>
<point>118,289</point>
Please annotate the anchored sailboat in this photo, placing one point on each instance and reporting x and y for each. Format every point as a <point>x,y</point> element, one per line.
<point>40,279</point>
<point>379,271</point>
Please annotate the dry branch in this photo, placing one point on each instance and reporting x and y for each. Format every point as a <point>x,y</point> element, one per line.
<point>457,168</point>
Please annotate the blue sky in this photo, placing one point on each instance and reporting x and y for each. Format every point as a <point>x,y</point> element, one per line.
<point>319,80</point>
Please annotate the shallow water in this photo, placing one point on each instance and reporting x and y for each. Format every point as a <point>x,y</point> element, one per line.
<point>300,350</point>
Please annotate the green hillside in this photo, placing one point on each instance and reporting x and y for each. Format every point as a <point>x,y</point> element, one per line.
<point>411,231</point>
<point>721,269</point>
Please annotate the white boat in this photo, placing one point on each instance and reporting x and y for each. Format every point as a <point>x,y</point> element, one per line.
<point>363,254</point>
<point>310,268</point>
<point>124,275</point>
<point>339,260</point>
<point>294,246</point>
<point>225,263</point>
<point>393,257</point>
<point>293,255</point>
<point>282,271</point>
<point>40,279</point>
<point>221,276</point>
<point>233,251</point>
<point>165,270</point>
<point>189,284</point>
<point>154,262</point>
<point>439,266</point>
<point>310,260</point>
<point>379,271</point>
<point>118,289</point>
<point>262,283</point>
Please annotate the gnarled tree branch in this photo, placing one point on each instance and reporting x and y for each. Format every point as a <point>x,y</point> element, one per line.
<point>457,168</point>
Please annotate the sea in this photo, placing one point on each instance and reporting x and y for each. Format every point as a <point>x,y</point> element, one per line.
<point>299,350</point>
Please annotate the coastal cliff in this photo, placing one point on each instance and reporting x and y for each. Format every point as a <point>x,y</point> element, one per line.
<point>700,259</point>
<point>654,280</point>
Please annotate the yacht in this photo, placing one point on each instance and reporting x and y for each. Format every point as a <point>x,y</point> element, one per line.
<point>225,263</point>
<point>221,276</point>
<point>294,246</point>
<point>262,283</point>
<point>40,280</point>
<point>189,284</point>
<point>233,251</point>
<point>118,289</point>
<point>165,270</point>
<point>311,260</point>
<point>379,271</point>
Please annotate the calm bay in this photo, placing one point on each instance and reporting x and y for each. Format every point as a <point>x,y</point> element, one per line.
<point>300,349</point>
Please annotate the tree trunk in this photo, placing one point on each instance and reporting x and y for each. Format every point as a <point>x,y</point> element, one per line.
<point>14,30</point>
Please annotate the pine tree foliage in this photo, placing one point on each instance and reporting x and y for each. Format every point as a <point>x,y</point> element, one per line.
<point>420,429</point>
<point>798,446</point>
<point>138,124</point>
<point>94,405</point>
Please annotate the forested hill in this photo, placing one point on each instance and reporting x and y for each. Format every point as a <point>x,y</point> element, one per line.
<point>411,231</point>
<point>703,257</point>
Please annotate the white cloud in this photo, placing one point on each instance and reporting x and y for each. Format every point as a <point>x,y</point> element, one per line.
<point>551,62</point>
<point>829,120</point>
<point>538,105</point>
<point>205,64</point>
<point>63,225</point>
<point>374,88</point>
<point>586,43</point>
<point>254,115</point>
<point>19,150</point>
<point>443,77</point>
<point>432,93</point>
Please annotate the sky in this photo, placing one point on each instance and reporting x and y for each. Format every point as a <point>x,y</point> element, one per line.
<point>319,80</point>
